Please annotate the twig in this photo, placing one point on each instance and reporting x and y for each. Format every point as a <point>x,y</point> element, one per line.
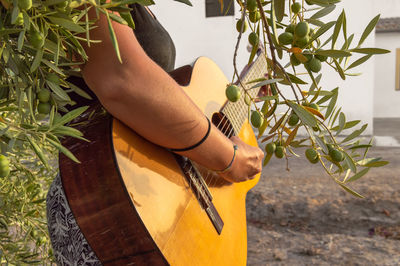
<point>236,50</point>
<point>272,48</point>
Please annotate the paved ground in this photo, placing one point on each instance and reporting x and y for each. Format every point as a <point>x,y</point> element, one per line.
<point>387,132</point>
<point>302,217</point>
<point>387,127</point>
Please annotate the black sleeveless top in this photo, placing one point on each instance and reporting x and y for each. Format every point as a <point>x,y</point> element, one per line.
<point>153,38</point>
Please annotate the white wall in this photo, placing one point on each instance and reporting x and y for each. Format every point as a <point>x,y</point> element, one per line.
<point>387,99</point>
<point>194,35</point>
<point>356,92</point>
<point>387,8</point>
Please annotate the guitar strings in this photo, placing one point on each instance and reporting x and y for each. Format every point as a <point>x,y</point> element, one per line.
<point>227,130</point>
<point>240,111</point>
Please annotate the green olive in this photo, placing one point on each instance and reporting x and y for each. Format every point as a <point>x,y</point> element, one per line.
<point>4,166</point>
<point>302,29</point>
<point>270,148</point>
<point>253,39</point>
<point>251,5</point>
<point>24,4</point>
<point>36,39</point>
<point>254,16</point>
<point>312,155</point>
<point>293,119</point>
<point>314,65</point>
<point>239,25</point>
<point>232,92</point>
<point>43,95</point>
<point>256,119</point>
<point>279,151</point>
<point>302,42</point>
<point>296,7</point>
<point>294,61</point>
<point>290,28</point>
<point>336,155</point>
<point>321,58</point>
<point>285,38</point>
<point>44,108</point>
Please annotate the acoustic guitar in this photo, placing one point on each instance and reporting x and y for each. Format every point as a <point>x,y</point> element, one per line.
<point>139,204</point>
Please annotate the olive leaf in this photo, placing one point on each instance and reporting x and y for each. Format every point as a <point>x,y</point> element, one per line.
<point>277,124</point>
<point>64,150</point>
<point>322,30</point>
<point>69,117</point>
<point>38,151</point>
<point>370,27</point>
<point>306,117</point>
<point>265,82</point>
<point>351,191</point>
<point>187,2</point>
<point>68,24</point>
<point>58,91</point>
<point>113,37</point>
<point>339,69</point>
<point>370,51</point>
<point>359,61</point>
<point>37,60</point>
<point>358,175</point>
<point>291,136</point>
<point>279,8</point>
<point>360,146</point>
<point>347,125</point>
<point>267,159</point>
<point>79,91</point>
<point>333,53</point>
<point>332,102</point>
<point>355,134</point>
<point>322,144</point>
<point>350,162</point>
<point>323,12</point>
<point>338,26</point>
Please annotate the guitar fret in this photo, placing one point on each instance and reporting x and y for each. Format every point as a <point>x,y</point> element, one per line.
<point>232,118</point>
<point>237,112</point>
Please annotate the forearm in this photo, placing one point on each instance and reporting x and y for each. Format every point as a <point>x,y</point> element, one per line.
<point>144,97</point>
<point>153,105</point>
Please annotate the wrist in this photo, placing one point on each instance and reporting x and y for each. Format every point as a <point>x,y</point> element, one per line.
<point>229,166</point>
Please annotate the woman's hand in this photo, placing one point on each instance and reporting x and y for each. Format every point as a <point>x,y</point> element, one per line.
<point>247,162</point>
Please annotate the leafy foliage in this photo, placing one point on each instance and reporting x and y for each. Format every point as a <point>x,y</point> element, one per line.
<point>309,42</point>
<point>38,43</point>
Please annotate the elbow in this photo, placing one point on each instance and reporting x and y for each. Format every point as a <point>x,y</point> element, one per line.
<point>108,87</point>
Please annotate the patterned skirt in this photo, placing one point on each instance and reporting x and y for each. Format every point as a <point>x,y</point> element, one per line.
<point>69,245</point>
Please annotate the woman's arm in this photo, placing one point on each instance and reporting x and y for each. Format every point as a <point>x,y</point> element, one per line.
<point>143,96</point>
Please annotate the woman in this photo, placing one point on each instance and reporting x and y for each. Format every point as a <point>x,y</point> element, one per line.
<point>133,92</point>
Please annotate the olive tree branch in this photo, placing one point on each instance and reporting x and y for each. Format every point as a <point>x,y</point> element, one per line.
<point>236,72</point>
<point>274,60</point>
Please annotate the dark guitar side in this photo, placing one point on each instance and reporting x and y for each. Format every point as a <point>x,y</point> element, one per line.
<point>101,205</point>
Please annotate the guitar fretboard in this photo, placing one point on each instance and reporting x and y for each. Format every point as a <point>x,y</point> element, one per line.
<point>237,115</point>
<point>237,112</point>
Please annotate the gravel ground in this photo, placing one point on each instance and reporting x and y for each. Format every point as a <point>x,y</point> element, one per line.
<point>301,217</point>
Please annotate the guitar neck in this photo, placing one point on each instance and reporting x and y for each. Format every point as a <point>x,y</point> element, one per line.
<point>237,112</point>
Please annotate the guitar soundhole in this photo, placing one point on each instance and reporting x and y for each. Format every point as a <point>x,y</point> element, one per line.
<point>223,124</point>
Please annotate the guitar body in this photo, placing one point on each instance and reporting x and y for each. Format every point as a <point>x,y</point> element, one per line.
<point>133,203</point>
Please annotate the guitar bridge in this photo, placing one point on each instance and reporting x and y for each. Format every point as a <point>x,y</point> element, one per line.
<point>200,190</point>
